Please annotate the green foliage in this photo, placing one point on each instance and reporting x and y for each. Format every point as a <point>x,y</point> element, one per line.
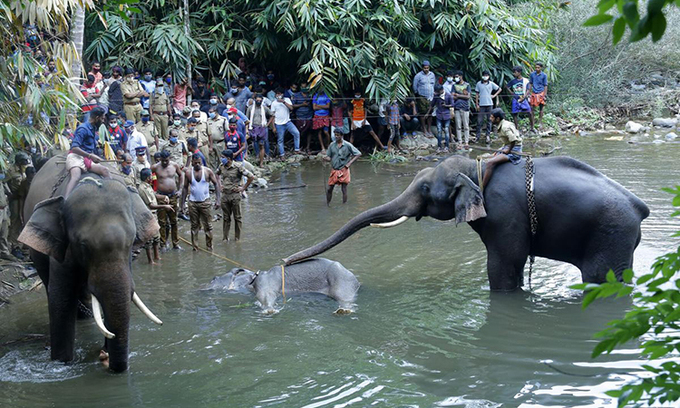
<point>384,157</point>
<point>654,22</point>
<point>655,320</point>
<point>336,44</point>
<point>34,106</point>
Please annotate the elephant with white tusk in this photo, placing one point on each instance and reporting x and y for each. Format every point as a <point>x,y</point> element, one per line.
<point>584,217</point>
<point>81,247</point>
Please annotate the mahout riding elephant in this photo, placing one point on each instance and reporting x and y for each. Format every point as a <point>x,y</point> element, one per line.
<point>584,217</point>
<point>81,247</point>
<point>319,275</point>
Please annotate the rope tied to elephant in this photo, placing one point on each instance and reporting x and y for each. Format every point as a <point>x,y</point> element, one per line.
<point>224,258</point>
<point>533,216</point>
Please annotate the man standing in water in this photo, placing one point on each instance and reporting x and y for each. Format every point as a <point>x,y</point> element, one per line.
<point>196,186</point>
<point>341,154</point>
<point>166,171</point>
<point>230,176</point>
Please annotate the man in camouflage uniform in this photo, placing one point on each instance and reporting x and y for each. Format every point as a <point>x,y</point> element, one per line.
<point>160,109</point>
<point>148,129</point>
<point>176,148</point>
<point>217,127</point>
<point>18,189</point>
<point>4,222</point>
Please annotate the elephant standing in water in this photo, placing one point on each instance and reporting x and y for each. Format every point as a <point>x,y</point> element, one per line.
<point>584,217</point>
<point>81,247</point>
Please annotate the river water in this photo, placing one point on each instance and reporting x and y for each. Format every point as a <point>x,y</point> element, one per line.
<point>427,331</point>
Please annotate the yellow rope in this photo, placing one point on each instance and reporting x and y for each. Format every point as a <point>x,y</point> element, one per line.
<point>224,258</point>
<point>283,284</point>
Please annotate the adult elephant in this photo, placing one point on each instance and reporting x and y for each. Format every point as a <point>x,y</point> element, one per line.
<point>81,247</point>
<point>584,217</point>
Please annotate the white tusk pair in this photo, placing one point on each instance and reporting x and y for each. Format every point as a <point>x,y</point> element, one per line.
<point>138,302</point>
<point>97,311</point>
<point>394,223</point>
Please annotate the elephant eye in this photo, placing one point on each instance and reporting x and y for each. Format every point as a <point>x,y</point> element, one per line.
<point>425,188</point>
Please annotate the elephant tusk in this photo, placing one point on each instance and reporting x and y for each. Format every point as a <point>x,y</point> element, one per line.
<point>394,223</point>
<point>138,302</point>
<point>97,312</point>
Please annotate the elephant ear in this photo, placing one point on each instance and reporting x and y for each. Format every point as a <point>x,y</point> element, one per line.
<point>468,200</point>
<point>145,223</point>
<point>44,231</point>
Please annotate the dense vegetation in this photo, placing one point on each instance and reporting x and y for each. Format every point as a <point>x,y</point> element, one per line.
<point>342,43</point>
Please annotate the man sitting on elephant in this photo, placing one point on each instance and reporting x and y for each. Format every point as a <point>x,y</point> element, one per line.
<point>512,143</point>
<point>83,154</point>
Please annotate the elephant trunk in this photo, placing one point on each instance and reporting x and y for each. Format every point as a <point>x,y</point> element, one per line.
<point>395,210</point>
<point>115,302</point>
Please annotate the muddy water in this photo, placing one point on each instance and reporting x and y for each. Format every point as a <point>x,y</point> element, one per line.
<point>427,331</point>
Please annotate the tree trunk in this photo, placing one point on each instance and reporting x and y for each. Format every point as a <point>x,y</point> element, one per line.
<point>187,32</point>
<point>77,34</point>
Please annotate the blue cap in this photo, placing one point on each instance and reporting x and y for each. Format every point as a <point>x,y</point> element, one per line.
<point>173,140</point>
<point>426,62</point>
<point>128,123</point>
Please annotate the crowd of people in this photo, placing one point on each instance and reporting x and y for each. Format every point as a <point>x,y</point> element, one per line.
<point>172,139</point>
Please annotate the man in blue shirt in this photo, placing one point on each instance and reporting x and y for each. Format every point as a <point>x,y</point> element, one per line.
<point>538,90</point>
<point>423,86</point>
<point>83,154</point>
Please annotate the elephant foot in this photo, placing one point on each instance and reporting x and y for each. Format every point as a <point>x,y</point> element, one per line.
<point>343,311</point>
<point>270,312</point>
<point>104,358</point>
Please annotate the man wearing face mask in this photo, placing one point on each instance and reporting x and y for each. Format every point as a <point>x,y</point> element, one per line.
<point>461,103</point>
<point>234,141</point>
<point>135,138</point>
<point>95,71</point>
<point>230,176</point>
<point>201,94</point>
<point>179,95</point>
<point>197,113</point>
<point>127,170</point>
<point>115,91</point>
<point>176,148</point>
<point>261,118</point>
<point>149,85</point>
<point>133,92</point>
<point>83,154</point>
<point>217,127</point>
<point>216,103</point>
<point>117,137</point>
<point>160,109</point>
<point>177,125</point>
<point>148,129</point>
<point>423,86</point>
<point>189,130</point>
<point>486,91</point>
<point>240,92</point>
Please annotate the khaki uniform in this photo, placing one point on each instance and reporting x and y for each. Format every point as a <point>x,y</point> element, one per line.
<point>16,181</point>
<point>130,179</point>
<point>176,153</point>
<point>4,222</point>
<point>131,106</point>
<point>202,130</point>
<point>137,168</point>
<point>216,129</point>
<point>508,133</point>
<point>147,195</point>
<point>231,201</point>
<point>148,129</point>
<point>159,105</point>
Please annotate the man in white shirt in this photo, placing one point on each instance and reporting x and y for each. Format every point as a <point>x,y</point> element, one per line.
<point>281,107</point>
<point>135,138</point>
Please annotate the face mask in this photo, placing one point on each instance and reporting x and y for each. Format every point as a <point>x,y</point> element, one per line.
<point>177,122</point>
<point>159,85</point>
<point>224,161</point>
<point>129,79</point>
<point>126,170</point>
<point>120,121</point>
<point>211,115</point>
<point>449,79</point>
<point>457,79</point>
<point>148,77</point>
<point>194,107</point>
<point>258,103</point>
<point>232,128</point>
<point>137,77</point>
<point>190,129</point>
<point>168,80</point>
<point>145,119</point>
<point>357,96</point>
<point>485,78</point>
<point>213,101</point>
<point>234,91</point>
<point>173,140</point>
<point>270,77</point>
<point>113,124</point>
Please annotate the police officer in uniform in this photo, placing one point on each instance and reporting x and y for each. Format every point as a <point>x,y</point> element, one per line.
<point>4,222</point>
<point>217,127</point>
<point>148,129</point>
<point>132,93</point>
<point>160,109</point>
<point>18,189</point>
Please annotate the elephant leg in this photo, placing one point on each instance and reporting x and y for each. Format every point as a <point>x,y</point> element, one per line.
<point>63,304</point>
<point>41,262</point>
<point>505,267</point>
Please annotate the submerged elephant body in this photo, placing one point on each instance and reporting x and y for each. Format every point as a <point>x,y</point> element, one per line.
<point>82,246</point>
<point>584,217</point>
<point>315,275</point>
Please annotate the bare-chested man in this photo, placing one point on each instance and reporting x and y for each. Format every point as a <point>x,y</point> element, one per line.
<point>166,182</point>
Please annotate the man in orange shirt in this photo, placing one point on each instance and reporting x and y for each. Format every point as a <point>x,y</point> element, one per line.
<point>359,120</point>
